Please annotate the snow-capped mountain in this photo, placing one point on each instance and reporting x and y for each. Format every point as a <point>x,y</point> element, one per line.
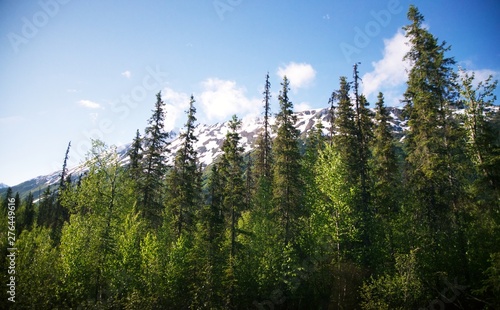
<point>211,137</point>
<point>209,144</point>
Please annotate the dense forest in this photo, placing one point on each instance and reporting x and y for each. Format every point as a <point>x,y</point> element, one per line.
<point>353,219</point>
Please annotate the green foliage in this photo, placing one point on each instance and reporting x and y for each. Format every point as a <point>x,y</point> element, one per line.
<point>332,216</point>
<point>233,188</point>
<point>482,135</point>
<point>151,270</point>
<point>180,274</point>
<point>184,181</point>
<point>492,281</point>
<point>287,183</point>
<point>263,153</point>
<point>401,290</point>
<point>153,166</point>
<point>38,273</point>
<point>80,257</point>
<point>385,175</point>
<point>89,240</point>
<point>126,282</point>
<point>436,167</point>
<point>359,222</point>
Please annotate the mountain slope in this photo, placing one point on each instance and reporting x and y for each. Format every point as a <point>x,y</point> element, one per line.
<point>209,145</point>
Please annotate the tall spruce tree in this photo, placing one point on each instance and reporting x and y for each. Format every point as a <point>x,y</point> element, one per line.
<point>331,115</point>
<point>208,246</point>
<point>287,181</point>
<point>213,215</point>
<point>231,169</point>
<point>385,170</point>
<point>385,179</point>
<point>263,153</point>
<point>184,181</point>
<point>60,214</point>
<point>345,125</point>
<point>233,193</point>
<point>434,147</point>
<point>365,137</point>
<point>154,165</point>
<point>352,141</point>
<point>135,156</point>
<point>263,157</point>
<point>363,134</point>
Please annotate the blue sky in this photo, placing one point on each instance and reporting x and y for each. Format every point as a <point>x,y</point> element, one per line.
<point>72,70</point>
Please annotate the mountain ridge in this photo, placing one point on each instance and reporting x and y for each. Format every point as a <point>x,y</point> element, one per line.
<point>209,144</point>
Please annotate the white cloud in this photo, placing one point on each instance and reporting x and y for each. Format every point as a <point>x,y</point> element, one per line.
<point>89,104</point>
<point>480,75</point>
<point>222,98</point>
<point>127,74</point>
<point>303,106</point>
<point>389,73</point>
<point>483,74</point>
<point>175,105</point>
<point>299,74</point>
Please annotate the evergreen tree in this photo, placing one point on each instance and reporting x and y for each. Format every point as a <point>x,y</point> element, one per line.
<point>434,152</point>
<point>17,202</point>
<point>345,126</point>
<point>385,177</point>
<point>363,134</point>
<point>331,115</point>
<point>60,214</point>
<point>233,193</point>
<point>210,258</point>
<point>135,156</point>
<point>345,142</point>
<point>231,167</point>
<point>315,143</point>
<point>153,166</point>
<point>263,152</point>
<point>287,182</point>
<point>27,214</point>
<point>213,215</point>
<point>9,194</point>
<point>263,163</point>
<point>45,208</point>
<point>64,168</point>
<point>184,182</point>
<point>354,133</point>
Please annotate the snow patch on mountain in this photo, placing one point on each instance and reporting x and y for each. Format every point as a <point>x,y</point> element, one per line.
<point>211,137</point>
